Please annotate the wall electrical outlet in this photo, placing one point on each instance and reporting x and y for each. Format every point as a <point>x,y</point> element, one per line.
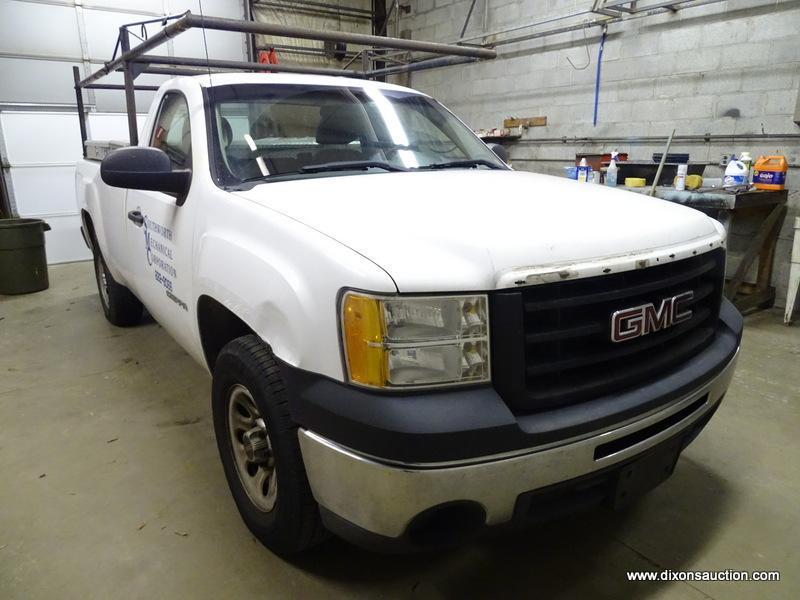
<point>724,159</point>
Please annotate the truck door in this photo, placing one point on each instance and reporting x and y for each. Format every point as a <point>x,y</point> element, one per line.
<point>160,233</point>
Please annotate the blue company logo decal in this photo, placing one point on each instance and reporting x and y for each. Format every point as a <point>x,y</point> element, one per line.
<point>158,251</point>
<point>147,241</point>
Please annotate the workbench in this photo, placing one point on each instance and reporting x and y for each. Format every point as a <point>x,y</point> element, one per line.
<point>729,208</point>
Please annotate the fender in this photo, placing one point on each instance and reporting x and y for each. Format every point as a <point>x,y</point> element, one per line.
<point>243,281</point>
<point>282,279</point>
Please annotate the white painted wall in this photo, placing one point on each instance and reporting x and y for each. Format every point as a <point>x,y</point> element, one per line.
<point>39,133</point>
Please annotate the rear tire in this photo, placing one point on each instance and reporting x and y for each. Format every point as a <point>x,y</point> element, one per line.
<point>259,449</point>
<point>120,306</point>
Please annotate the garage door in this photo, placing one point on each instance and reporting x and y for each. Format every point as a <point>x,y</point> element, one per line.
<point>41,149</point>
<point>39,133</point>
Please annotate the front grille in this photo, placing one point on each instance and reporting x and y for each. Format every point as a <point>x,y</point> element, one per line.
<point>552,343</point>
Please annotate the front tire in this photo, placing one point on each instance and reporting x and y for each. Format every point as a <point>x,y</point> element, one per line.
<point>259,449</point>
<point>120,306</point>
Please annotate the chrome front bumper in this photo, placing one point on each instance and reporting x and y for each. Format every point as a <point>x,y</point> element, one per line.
<point>383,498</point>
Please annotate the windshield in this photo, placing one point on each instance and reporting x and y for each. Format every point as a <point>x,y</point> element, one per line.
<point>268,132</point>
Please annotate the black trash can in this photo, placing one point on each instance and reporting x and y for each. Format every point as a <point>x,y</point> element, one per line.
<point>23,263</point>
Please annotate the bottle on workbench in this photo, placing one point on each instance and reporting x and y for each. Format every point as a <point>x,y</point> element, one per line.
<point>583,171</point>
<point>680,178</point>
<point>611,172</point>
<point>747,161</point>
<point>769,173</point>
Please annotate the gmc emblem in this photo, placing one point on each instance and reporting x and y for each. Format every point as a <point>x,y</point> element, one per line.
<point>636,321</point>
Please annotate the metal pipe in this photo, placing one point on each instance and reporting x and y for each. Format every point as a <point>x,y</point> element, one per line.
<point>290,49</point>
<point>353,59</point>
<point>392,6</point>
<point>176,72</point>
<point>189,21</point>
<point>365,62</point>
<point>598,22</point>
<point>619,6</point>
<point>667,6</point>
<point>342,13</point>
<point>709,163</point>
<point>114,86</point>
<point>658,139</point>
<point>238,65</point>
<point>170,31</point>
<point>352,9</point>
<point>76,75</point>
<point>391,59</point>
<point>222,24</point>
<point>130,94</point>
<point>469,16</point>
<point>431,63</point>
<point>663,160</point>
<point>379,21</point>
<point>252,52</point>
<point>155,20</point>
<point>524,26</point>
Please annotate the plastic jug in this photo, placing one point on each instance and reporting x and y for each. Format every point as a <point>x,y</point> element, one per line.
<point>769,173</point>
<point>735,173</point>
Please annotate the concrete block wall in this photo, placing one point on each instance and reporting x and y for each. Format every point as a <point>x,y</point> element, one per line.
<point>726,68</point>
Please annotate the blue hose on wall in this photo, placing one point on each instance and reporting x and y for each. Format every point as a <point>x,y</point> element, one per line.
<point>597,76</point>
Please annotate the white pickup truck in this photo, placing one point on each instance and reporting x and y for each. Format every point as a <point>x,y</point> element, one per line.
<point>409,341</point>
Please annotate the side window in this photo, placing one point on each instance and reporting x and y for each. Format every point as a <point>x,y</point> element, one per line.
<point>172,133</point>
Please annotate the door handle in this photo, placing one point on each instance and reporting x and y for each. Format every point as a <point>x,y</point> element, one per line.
<point>136,217</point>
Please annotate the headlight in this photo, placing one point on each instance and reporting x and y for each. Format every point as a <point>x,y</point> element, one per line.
<point>397,342</point>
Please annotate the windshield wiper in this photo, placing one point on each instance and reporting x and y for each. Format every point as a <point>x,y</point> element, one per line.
<point>388,145</point>
<point>350,165</point>
<point>456,164</point>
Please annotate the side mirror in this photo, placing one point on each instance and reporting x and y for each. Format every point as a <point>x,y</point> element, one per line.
<point>500,151</point>
<point>143,168</point>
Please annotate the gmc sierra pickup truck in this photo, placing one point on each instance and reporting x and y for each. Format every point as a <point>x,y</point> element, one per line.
<point>409,341</point>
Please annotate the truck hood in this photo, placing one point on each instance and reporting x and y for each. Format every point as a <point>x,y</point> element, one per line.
<point>466,229</point>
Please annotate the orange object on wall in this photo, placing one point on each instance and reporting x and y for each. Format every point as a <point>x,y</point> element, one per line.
<point>268,57</point>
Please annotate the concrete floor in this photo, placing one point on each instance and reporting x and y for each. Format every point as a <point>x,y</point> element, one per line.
<point>110,485</point>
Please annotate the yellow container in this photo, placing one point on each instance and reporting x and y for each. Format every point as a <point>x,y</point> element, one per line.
<point>769,173</point>
<point>692,182</point>
<point>635,182</point>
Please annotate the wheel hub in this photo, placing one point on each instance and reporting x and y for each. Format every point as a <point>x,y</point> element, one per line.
<point>252,449</point>
<point>256,444</point>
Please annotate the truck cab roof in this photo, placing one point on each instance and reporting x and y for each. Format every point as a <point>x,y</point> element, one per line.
<point>224,79</point>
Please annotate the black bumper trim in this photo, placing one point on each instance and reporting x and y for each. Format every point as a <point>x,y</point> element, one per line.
<point>450,425</point>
